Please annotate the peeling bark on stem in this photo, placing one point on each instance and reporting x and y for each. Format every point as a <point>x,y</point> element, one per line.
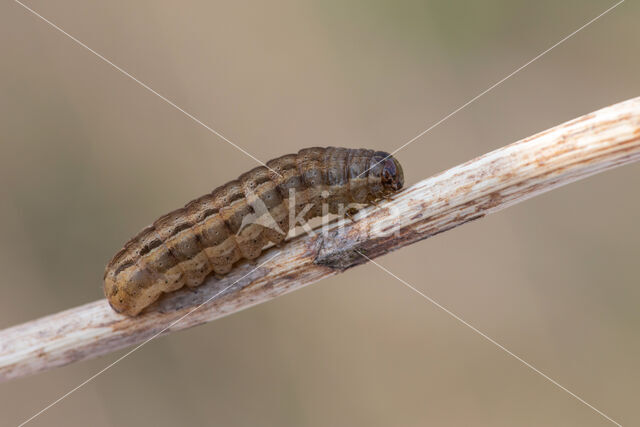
<point>585,146</point>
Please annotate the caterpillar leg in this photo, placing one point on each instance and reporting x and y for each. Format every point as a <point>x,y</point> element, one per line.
<point>350,216</point>
<point>350,212</point>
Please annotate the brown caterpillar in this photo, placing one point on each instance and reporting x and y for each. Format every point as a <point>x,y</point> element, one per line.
<point>211,233</point>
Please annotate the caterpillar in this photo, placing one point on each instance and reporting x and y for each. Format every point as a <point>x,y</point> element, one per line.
<point>238,219</point>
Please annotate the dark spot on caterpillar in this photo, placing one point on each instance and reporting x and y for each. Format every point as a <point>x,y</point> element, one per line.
<point>234,197</point>
<point>181,227</point>
<point>261,180</point>
<point>150,246</point>
<point>124,266</point>
<point>208,212</point>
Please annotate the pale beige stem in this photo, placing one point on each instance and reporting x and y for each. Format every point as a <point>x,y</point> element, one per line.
<point>587,145</point>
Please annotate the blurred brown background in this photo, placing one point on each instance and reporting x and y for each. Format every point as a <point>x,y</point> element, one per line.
<point>88,157</point>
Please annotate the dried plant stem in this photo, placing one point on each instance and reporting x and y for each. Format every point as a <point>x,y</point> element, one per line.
<point>587,145</point>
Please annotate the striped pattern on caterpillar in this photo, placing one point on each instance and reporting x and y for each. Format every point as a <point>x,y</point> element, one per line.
<point>215,231</point>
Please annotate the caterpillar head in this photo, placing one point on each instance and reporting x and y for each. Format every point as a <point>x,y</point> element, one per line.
<point>391,175</point>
